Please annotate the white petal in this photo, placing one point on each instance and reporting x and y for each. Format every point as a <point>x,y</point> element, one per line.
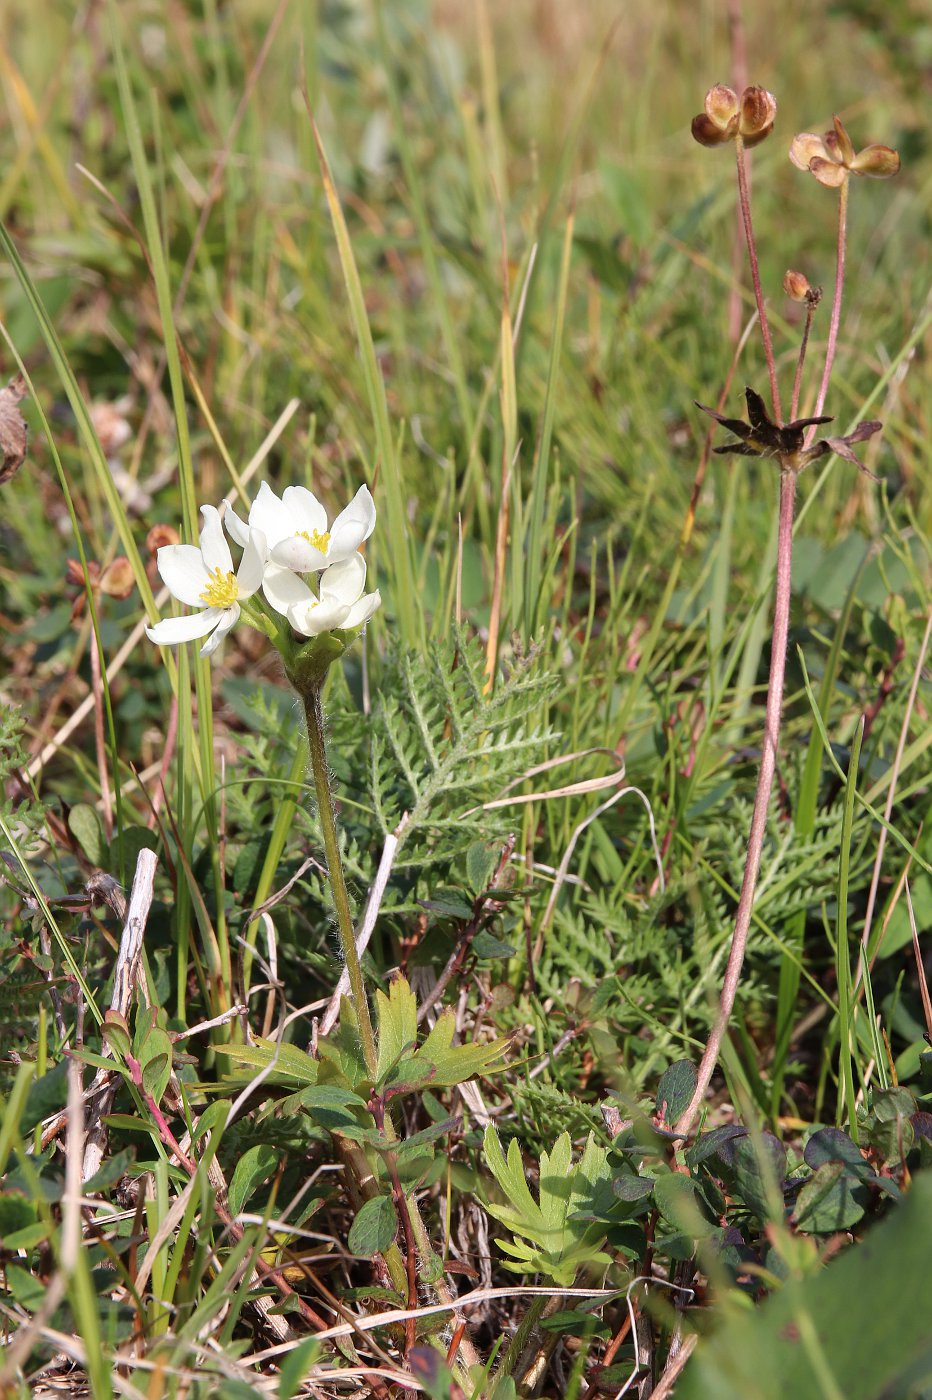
<point>237,529</point>
<point>214,547</point>
<point>283,589</point>
<point>268,514</point>
<point>344,582</point>
<point>362,611</point>
<point>305,511</point>
<point>183,572</point>
<point>228,619</point>
<point>310,619</point>
<point>299,554</point>
<point>252,564</point>
<point>173,630</point>
<point>353,525</point>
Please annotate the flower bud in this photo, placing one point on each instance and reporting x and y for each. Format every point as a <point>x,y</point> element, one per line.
<point>796,285</point>
<point>161,535</point>
<point>117,578</point>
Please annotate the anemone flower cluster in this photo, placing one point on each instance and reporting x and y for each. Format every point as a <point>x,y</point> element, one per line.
<point>283,539</point>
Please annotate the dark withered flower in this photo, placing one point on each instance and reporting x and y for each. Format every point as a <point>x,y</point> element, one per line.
<point>760,436</point>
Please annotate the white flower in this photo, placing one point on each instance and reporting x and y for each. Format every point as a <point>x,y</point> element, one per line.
<point>342,602</point>
<point>295,528</point>
<point>205,576</point>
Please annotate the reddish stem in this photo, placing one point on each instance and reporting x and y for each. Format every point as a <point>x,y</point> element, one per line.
<point>744,198</point>
<point>836,304</point>
<point>801,360</point>
<point>768,763</point>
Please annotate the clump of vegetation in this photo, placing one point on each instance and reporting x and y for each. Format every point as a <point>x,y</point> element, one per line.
<point>490,961</point>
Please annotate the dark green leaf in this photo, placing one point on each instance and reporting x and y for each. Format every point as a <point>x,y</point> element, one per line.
<point>16,1213</point>
<point>632,1188</point>
<point>681,1205</point>
<point>833,1145</point>
<point>830,1200</point>
<point>841,1316</point>
<point>112,1170</point>
<point>374,1227</point>
<point>46,1096</point>
<point>257,1164</point>
<point>675,1090</point>
<point>711,1143</point>
<point>486,945</point>
<point>481,860</point>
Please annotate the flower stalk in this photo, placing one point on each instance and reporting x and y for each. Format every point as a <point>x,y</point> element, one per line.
<point>772,721</point>
<point>835,319</point>
<point>314,715</point>
<point>744,199</point>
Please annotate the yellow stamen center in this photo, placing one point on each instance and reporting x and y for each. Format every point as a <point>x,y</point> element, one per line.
<point>222,591</point>
<point>316,540</point>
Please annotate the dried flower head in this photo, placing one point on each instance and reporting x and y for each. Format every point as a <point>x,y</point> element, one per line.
<point>762,437</point>
<point>726,116</point>
<point>832,157</point>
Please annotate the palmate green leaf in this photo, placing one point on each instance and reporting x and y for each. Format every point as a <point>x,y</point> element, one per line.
<point>454,1064</point>
<point>292,1066</point>
<point>438,1061</point>
<point>397,1018</point>
<point>552,1238</point>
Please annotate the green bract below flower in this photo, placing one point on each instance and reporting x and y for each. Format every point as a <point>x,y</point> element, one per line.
<point>204,575</point>
<point>283,537</point>
<point>341,603</point>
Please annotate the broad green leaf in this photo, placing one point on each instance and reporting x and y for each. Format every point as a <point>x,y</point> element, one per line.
<point>116,1033</point>
<point>628,1187</point>
<point>84,825</point>
<point>156,1059</point>
<point>16,1213</point>
<point>681,1206</point>
<point>859,1328</point>
<point>257,1164</point>
<point>374,1227</point>
<point>27,1290</point>
<point>481,860</point>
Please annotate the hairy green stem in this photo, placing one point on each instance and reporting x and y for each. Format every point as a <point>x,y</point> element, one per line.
<point>314,715</point>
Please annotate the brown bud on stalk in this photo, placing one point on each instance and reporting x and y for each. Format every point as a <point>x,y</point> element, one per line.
<point>726,116</point>
<point>161,535</point>
<point>832,157</point>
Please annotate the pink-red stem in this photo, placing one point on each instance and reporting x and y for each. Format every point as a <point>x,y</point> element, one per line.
<point>739,938</point>
<point>835,321</point>
<point>744,198</point>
